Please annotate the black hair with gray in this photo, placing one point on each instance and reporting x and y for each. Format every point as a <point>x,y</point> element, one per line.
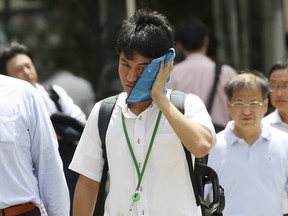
<point>247,80</point>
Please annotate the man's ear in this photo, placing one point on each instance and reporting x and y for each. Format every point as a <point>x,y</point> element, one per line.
<point>227,105</point>
<point>229,109</point>
<point>180,46</point>
<point>182,49</point>
<point>206,42</point>
<point>266,101</point>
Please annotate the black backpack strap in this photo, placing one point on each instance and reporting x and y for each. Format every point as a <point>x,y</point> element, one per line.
<point>178,99</point>
<point>201,173</point>
<point>105,112</point>
<point>54,97</point>
<point>218,67</point>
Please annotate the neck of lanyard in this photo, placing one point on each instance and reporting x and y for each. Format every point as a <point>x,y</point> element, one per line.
<point>140,174</point>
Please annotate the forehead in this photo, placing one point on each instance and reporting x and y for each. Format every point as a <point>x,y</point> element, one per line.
<point>246,94</point>
<point>19,59</point>
<point>135,58</point>
<point>279,75</point>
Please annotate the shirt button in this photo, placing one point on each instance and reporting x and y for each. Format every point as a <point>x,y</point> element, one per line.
<point>143,212</point>
<point>138,141</point>
<point>140,117</point>
<point>141,188</point>
<point>139,164</point>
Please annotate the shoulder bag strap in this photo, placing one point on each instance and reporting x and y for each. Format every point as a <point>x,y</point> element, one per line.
<point>218,67</point>
<point>54,97</point>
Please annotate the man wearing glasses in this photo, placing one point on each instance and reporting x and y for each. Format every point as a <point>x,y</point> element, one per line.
<point>250,157</point>
<point>278,86</point>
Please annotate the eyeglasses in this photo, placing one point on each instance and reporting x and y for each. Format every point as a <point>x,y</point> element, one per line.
<point>241,106</point>
<point>273,87</point>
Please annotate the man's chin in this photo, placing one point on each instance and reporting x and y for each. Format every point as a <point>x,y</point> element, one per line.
<point>128,90</point>
<point>32,83</point>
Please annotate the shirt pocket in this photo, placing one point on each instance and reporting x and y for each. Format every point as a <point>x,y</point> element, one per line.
<point>167,149</point>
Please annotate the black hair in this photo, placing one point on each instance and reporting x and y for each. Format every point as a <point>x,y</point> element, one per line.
<point>147,33</point>
<point>191,33</point>
<point>10,52</point>
<point>282,64</point>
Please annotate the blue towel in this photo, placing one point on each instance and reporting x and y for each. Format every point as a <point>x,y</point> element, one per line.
<point>141,90</point>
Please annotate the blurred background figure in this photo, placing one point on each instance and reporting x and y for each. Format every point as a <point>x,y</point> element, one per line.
<point>68,119</point>
<point>278,86</point>
<point>197,72</point>
<point>80,89</point>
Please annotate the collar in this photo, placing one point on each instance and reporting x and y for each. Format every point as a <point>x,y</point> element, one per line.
<point>275,120</point>
<point>275,117</point>
<point>233,139</point>
<point>121,103</point>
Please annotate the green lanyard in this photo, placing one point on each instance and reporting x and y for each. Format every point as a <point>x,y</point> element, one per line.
<point>140,174</point>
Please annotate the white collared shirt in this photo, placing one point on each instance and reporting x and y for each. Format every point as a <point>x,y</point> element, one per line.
<point>254,177</point>
<point>166,187</point>
<point>67,105</point>
<point>30,165</point>
<point>275,120</point>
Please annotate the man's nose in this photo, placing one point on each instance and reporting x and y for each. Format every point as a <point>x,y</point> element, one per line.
<point>26,71</point>
<point>246,109</point>
<point>279,91</point>
<point>133,75</point>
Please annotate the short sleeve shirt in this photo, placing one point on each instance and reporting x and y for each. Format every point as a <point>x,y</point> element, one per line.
<point>254,177</point>
<point>166,188</point>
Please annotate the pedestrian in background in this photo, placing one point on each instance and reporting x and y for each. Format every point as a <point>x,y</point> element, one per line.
<point>278,86</point>
<point>16,60</point>
<point>250,157</point>
<point>197,72</point>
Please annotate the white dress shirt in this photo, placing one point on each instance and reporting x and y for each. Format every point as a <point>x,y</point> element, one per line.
<point>78,88</point>
<point>166,188</point>
<point>30,165</point>
<point>67,105</point>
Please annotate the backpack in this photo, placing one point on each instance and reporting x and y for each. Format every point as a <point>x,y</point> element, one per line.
<point>67,127</point>
<point>200,175</point>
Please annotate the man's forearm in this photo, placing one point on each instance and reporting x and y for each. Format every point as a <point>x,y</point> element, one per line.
<point>85,196</point>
